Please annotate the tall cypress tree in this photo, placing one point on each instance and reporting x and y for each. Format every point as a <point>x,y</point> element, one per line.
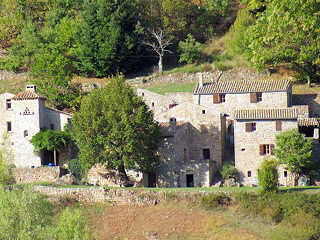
<point>107,37</point>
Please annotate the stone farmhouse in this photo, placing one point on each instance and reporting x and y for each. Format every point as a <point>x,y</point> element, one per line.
<point>226,121</point>
<point>21,117</point>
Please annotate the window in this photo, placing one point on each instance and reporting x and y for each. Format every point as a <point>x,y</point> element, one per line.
<point>9,127</point>
<point>249,174</point>
<point>25,133</point>
<point>222,97</point>
<point>285,173</point>
<point>206,153</point>
<point>152,104</point>
<point>251,127</point>
<point>255,97</point>
<point>266,149</point>
<point>203,111</point>
<point>259,97</point>
<point>185,154</point>
<point>278,125</point>
<point>52,126</point>
<point>218,98</point>
<point>142,94</point>
<point>8,103</point>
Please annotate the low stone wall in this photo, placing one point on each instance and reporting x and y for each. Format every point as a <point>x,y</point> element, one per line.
<point>38,174</point>
<point>119,196</point>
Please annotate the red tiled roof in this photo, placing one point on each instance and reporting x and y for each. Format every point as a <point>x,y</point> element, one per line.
<point>242,86</point>
<point>27,95</point>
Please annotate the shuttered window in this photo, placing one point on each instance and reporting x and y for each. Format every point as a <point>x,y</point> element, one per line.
<point>266,149</point>
<point>216,98</point>
<point>253,97</point>
<point>251,127</point>
<point>278,125</point>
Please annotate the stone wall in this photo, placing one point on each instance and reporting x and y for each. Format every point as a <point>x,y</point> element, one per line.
<point>37,174</point>
<point>119,196</point>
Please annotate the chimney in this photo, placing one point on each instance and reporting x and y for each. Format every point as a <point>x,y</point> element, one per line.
<point>200,79</point>
<point>172,122</point>
<point>31,88</point>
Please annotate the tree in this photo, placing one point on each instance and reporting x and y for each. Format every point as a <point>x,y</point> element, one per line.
<point>54,140</point>
<point>115,126</point>
<point>191,50</point>
<point>107,37</point>
<point>294,150</point>
<point>287,33</point>
<point>268,175</point>
<point>159,45</point>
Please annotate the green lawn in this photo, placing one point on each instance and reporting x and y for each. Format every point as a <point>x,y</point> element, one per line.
<point>172,87</point>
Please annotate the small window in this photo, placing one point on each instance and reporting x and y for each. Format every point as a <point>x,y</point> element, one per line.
<point>259,97</point>
<point>206,153</point>
<point>278,125</point>
<point>9,127</point>
<point>142,94</point>
<point>185,154</point>
<point>285,173</point>
<point>52,126</point>
<point>25,133</point>
<point>152,104</point>
<point>249,173</point>
<point>251,127</point>
<point>8,103</point>
<point>222,98</point>
<point>203,111</point>
<point>266,149</point>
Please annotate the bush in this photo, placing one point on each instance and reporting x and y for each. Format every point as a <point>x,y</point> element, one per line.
<point>191,51</point>
<point>76,169</point>
<point>6,176</point>
<point>268,176</point>
<point>229,171</point>
<point>212,201</point>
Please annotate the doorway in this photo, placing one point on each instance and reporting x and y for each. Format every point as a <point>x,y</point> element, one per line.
<point>152,179</point>
<point>190,181</point>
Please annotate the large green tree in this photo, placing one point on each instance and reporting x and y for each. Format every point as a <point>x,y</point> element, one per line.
<point>287,33</point>
<point>115,126</point>
<point>293,150</point>
<point>107,39</point>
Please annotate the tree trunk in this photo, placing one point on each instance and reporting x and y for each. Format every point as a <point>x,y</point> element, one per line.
<point>123,174</point>
<point>160,64</point>
<point>309,81</point>
<point>54,157</point>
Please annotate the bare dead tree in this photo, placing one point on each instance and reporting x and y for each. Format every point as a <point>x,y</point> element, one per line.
<point>162,41</point>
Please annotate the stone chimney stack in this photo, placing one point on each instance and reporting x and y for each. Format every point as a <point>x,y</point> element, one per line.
<point>31,88</point>
<point>200,79</point>
<point>172,122</point>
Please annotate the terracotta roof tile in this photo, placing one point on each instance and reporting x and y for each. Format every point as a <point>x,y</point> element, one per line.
<point>168,130</point>
<point>242,86</point>
<point>308,122</point>
<point>287,113</point>
<point>27,95</point>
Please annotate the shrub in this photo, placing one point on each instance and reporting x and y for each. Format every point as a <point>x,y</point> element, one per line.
<point>212,201</point>
<point>229,171</point>
<point>191,50</point>
<point>6,176</point>
<point>76,169</point>
<point>268,176</point>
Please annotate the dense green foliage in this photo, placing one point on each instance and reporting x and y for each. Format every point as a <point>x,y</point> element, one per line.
<point>6,176</point>
<point>212,201</point>
<point>76,169</point>
<point>191,50</point>
<point>115,126</point>
<point>50,140</point>
<point>268,175</point>
<point>27,215</point>
<point>228,171</point>
<point>294,150</point>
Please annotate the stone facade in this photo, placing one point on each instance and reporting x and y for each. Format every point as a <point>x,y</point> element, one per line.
<point>38,174</point>
<point>21,117</point>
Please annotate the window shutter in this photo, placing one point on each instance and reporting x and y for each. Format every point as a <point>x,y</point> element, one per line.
<point>261,149</point>
<point>272,149</point>
<point>278,125</point>
<point>216,98</point>
<point>248,127</point>
<point>253,97</point>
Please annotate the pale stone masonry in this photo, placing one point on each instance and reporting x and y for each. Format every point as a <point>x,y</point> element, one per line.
<point>246,115</point>
<point>21,117</point>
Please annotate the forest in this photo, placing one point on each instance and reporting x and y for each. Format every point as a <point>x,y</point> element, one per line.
<point>55,40</point>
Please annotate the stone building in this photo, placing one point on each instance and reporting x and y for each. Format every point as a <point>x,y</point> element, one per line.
<point>21,117</point>
<point>227,120</point>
